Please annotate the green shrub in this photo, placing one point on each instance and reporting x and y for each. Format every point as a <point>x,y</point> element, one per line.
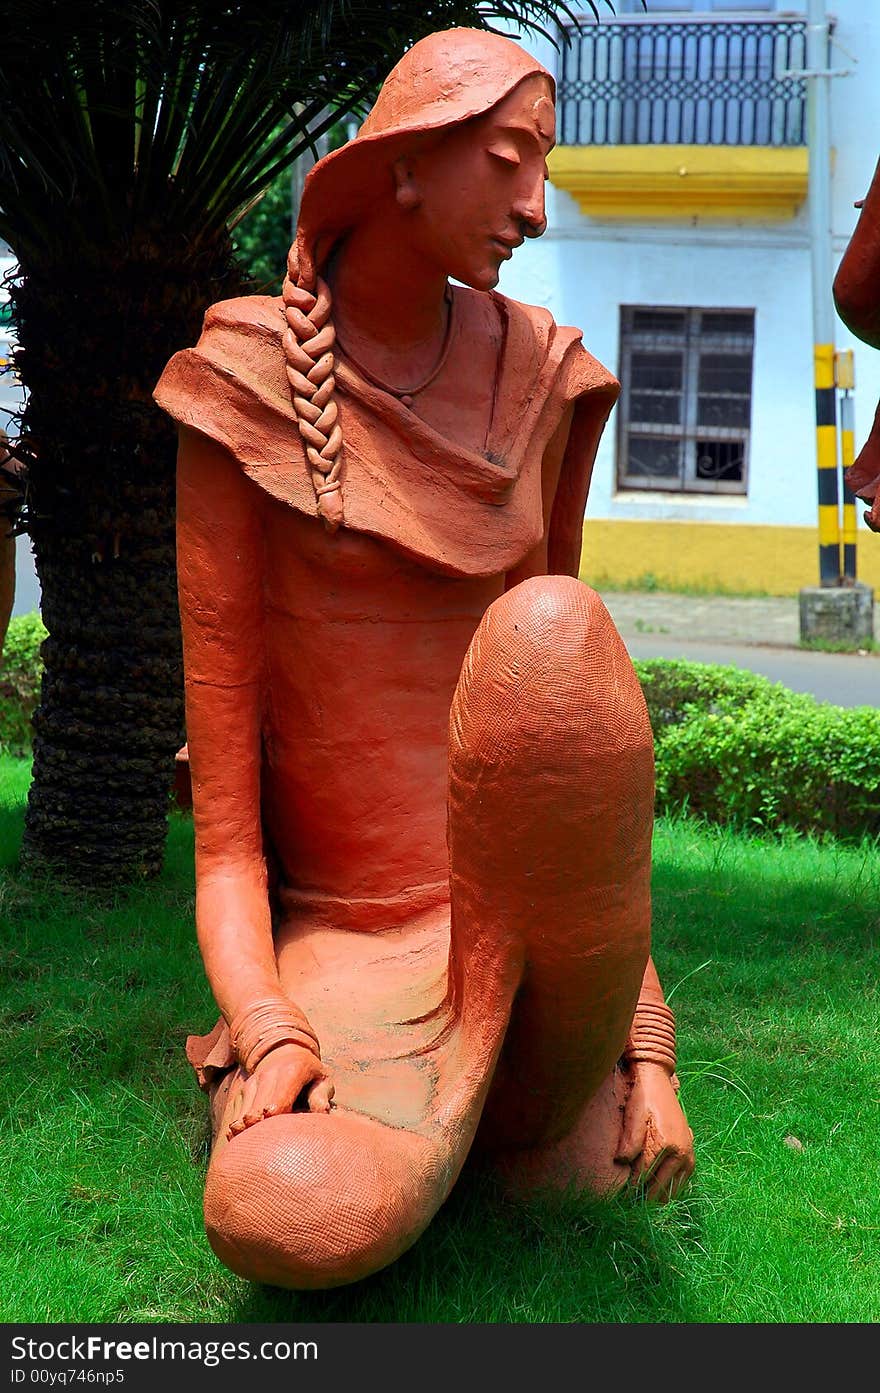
<point>782,759</point>
<point>674,689</point>
<point>21,668</point>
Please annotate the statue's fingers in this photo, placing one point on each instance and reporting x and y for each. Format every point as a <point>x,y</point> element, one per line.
<point>647,1165</point>
<point>253,1111</point>
<point>303,1080</point>
<point>321,1095</point>
<point>281,1090</point>
<point>660,1184</point>
<point>241,1108</point>
<point>236,1124</point>
<point>632,1140</point>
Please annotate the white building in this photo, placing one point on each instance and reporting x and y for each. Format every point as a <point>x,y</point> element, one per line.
<point>679,242</point>
<point>27,590</point>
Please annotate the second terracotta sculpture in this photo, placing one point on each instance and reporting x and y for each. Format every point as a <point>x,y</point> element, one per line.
<point>857,297</point>
<point>422,764</point>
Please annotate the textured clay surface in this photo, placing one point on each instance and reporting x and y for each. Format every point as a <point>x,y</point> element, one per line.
<point>422,769</point>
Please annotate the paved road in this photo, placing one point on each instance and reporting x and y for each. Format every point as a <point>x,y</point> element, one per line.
<point>842,678</point>
<point>760,634</point>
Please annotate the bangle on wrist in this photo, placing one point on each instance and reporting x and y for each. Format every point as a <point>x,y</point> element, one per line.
<point>264,1025</point>
<point>651,1037</point>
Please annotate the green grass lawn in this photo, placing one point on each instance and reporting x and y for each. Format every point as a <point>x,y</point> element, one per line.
<point>770,951</point>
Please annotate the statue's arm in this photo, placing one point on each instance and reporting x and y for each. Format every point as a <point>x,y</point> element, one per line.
<point>536,562</point>
<point>656,1141</point>
<point>220,570</point>
<point>857,283</point>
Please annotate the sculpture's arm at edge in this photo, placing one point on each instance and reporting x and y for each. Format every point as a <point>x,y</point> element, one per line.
<point>220,565</point>
<point>857,282</point>
<point>655,1140</point>
<point>652,1032</point>
<point>536,563</point>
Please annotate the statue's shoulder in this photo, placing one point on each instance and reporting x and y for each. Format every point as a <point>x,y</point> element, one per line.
<point>529,318</point>
<point>559,347</point>
<point>248,316</point>
<point>241,339</point>
<point>236,364</point>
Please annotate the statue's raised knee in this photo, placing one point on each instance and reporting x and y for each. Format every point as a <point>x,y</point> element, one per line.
<point>305,1200</point>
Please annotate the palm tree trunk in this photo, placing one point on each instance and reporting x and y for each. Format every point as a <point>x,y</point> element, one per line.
<point>110,716</point>
<point>100,512</point>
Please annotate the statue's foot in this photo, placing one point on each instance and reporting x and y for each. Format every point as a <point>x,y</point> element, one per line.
<point>582,1160</point>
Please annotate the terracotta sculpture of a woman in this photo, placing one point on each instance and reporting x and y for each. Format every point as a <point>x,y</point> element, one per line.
<point>421,761</point>
<point>857,297</point>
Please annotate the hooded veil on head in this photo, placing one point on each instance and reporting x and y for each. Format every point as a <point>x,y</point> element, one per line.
<point>444,79</point>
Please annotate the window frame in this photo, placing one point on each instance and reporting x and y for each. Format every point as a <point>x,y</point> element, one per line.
<point>692,343</point>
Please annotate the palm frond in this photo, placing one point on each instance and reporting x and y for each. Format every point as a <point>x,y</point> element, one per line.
<point>153,113</point>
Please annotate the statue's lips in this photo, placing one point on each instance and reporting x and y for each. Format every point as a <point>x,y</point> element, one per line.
<point>505,246</point>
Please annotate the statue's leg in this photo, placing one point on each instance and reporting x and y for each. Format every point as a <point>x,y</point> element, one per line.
<point>550,822</point>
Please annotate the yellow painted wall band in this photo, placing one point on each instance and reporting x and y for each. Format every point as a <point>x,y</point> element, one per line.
<point>676,181</point>
<point>737,557</point>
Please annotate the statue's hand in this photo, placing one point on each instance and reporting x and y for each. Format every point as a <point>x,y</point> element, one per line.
<point>656,1141</point>
<point>286,1075</point>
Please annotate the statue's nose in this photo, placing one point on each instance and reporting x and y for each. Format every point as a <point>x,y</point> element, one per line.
<point>533,225</point>
<point>529,210</point>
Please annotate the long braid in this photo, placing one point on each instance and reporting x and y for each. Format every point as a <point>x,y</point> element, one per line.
<point>308,343</point>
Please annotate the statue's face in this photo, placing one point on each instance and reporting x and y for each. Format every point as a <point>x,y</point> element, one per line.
<point>477,194</point>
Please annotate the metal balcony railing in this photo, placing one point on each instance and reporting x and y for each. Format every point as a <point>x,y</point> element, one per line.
<point>692,81</point>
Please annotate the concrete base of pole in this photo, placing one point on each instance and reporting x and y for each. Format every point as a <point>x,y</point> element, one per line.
<point>835,614</point>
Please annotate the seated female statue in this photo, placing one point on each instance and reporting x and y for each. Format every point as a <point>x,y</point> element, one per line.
<point>422,766</point>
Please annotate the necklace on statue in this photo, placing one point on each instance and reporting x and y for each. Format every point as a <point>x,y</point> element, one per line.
<point>406,395</point>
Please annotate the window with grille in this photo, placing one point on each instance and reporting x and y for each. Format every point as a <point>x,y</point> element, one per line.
<point>686,399</point>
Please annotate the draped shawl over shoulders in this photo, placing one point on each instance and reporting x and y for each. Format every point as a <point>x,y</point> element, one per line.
<point>456,510</point>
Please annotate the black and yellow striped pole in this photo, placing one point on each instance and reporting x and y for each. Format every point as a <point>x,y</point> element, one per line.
<point>819,141</point>
<point>826,461</point>
<point>844,377</point>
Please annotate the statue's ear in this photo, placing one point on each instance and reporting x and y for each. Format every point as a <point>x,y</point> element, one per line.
<point>405,185</point>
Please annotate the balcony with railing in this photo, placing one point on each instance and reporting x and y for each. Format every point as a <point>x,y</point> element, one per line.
<point>698,115</point>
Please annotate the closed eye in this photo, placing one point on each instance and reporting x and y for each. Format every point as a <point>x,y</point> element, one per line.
<point>507,154</point>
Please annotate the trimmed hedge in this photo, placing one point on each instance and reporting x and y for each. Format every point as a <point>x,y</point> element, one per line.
<point>736,748</point>
<point>21,668</point>
<point>674,689</point>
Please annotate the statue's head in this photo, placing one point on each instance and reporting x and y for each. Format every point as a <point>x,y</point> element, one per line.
<point>453,158</point>
<point>458,137</point>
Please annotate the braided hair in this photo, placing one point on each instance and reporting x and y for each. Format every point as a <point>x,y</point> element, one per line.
<point>308,350</point>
